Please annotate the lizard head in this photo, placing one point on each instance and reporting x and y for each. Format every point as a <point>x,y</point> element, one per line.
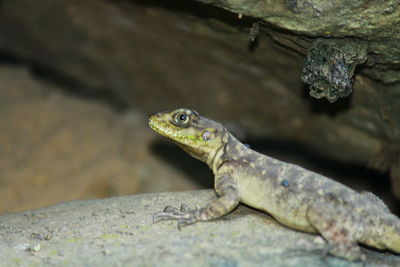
<point>199,136</point>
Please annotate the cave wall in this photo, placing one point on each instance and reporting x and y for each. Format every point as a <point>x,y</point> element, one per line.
<point>155,56</point>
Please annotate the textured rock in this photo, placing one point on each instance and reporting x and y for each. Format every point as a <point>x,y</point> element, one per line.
<point>323,17</point>
<point>119,232</point>
<point>329,67</point>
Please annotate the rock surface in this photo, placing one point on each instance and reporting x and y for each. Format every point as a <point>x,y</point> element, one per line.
<point>119,232</point>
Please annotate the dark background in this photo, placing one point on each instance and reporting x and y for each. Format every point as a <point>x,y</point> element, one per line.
<point>79,78</point>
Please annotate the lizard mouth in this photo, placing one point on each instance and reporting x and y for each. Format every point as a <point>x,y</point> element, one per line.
<point>161,127</point>
<point>152,124</point>
<point>155,124</point>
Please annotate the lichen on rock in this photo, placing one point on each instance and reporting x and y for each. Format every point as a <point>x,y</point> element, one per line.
<point>329,67</point>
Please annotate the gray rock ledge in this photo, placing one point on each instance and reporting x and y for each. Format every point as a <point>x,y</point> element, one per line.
<point>119,232</point>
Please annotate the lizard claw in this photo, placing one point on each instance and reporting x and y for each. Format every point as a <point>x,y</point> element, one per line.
<point>169,209</point>
<point>184,208</point>
<point>184,215</point>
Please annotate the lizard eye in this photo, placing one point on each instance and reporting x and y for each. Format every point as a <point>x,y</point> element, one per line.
<point>182,118</point>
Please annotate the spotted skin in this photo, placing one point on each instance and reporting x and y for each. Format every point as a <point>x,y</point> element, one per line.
<point>296,197</point>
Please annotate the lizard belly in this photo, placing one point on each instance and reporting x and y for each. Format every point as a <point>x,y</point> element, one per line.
<point>265,195</point>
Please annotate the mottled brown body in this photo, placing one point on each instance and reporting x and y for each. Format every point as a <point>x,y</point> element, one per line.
<point>294,196</point>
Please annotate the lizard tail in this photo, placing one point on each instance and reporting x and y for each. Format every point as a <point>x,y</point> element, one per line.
<point>391,237</point>
<point>384,233</point>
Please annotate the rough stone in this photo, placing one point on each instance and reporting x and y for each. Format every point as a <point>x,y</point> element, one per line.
<point>119,232</point>
<point>330,65</point>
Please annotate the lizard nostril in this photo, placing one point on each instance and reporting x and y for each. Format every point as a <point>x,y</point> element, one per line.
<point>154,115</point>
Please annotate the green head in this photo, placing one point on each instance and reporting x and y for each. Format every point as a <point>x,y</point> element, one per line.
<point>199,136</point>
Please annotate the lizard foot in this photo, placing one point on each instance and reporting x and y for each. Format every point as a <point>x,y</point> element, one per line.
<point>349,252</point>
<point>184,215</point>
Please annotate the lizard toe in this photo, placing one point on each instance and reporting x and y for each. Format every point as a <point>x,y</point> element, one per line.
<point>184,215</point>
<point>186,221</point>
<point>165,215</point>
<point>184,207</point>
<point>170,209</point>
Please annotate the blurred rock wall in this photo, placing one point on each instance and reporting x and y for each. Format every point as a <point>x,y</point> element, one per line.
<point>157,55</point>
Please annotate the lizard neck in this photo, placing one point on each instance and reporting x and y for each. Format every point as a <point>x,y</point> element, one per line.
<point>217,157</point>
<point>214,159</point>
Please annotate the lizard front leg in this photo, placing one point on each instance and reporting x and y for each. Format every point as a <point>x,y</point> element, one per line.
<point>228,199</point>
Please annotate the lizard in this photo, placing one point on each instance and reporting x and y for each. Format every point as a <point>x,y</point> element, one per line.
<point>297,198</point>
